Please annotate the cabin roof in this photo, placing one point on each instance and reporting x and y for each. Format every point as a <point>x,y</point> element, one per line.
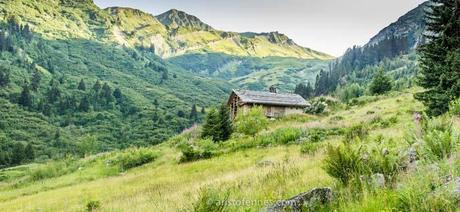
<point>268,98</point>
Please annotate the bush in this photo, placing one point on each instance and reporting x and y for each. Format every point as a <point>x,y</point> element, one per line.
<point>203,149</point>
<point>380,84</point>
<point>53,169</point>
<point>252,122</point>
<point>440,145</point>
<point>317,106</point>
<point>357,131</point>
<point>343,163</point>
<point>310,148</point>
<point>454,107</point>
<point>132,158</point>
<point>93,205</point>
<point>211,200</point>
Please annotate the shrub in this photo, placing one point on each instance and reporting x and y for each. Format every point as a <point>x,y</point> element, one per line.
<point>439,144</point>
<point>357,131</point>
<point>310,148</point>
<point>343,163</point>
<point>53,169</point>
<point>211,200</point>
<point>454,107</point>
<point>317,106</point>
<point>252,122</point>
<point>203,149</point>
<point>132,158</point>
<point>93,205</point>
<point>380,84</point>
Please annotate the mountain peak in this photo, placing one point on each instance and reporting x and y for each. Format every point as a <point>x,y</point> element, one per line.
<point>174,19</point>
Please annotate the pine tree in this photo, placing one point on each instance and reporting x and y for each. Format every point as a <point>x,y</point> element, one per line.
<point>225,123</point>
<point>440,57</point>
<point>84,105</point>
<point>380,84</point>
<point>97,86</point>
<point>203,110</point>
<point>25,99</point>
<point>211,125</point>
<point>305,91</point>
<point>54,94</point>
<point>193,113</point>
<point>18,154</point>
<point>29,152</point>
<point>35,82</point>
<point>107,93</point>
<point>4,76</point>
<point>82,85</point>
<point>118,95</point>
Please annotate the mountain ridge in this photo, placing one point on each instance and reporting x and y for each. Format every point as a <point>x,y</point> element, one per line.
<point>169,34</point>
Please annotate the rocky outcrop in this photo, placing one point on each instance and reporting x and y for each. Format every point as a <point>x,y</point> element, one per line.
<point>317,195</point>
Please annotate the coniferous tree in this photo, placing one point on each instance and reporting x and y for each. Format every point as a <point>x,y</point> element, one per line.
<point>203,110</point>
<point>35,82</point>
<point>84,105</point>
<point>118,95</point>
<point>193,112</point>
<point>82,85</point>
<point>54,94</point>
<point>305,91</point>
<point>97,86</point>
<point>25,99</point>
<point>107,93</point>
<point>4,76</point>
<point>440,57</point>
<point>18,154</point>
<point>380,84</point>
<point>211,125</point>
<point>29,152</point>
<point>225,123</point>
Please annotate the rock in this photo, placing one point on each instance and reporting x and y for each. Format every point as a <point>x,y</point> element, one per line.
<point>321,195</point>
<point>378,180</point>
<point>457,186</point>
<point>412,155</point>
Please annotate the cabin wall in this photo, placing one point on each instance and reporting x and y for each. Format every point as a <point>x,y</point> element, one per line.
<point>273,111</point>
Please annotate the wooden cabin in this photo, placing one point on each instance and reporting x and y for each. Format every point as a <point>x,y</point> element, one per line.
<point>275,104</point>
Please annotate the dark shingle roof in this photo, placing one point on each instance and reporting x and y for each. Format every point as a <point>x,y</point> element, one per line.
<point>267,98</point>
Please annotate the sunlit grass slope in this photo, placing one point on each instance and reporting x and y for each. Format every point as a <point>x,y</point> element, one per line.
<point>243,171</point>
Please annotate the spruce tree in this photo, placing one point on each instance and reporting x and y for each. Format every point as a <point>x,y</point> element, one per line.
<point>193,113</point>
<point>4,76</point>
<point>25,99</point>
<point>211,125</point>
<point>84,105</point>
<point>29,152</point>
<point>440,57</point>
<point>82,85</point>
<point>35,82</point>
<point>97,86</point>
<point>107,93</point>
<point>118,95</point>
<point>380,84</point>
<point>225,123</point>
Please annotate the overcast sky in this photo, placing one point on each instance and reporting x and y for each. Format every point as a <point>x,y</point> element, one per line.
<point>330,26</point>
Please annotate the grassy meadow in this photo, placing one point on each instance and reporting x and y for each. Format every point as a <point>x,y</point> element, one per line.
<point>276,164</point>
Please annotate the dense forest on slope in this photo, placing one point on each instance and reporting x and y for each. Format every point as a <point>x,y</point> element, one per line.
<point>59,95</point>
<point>392,49</point>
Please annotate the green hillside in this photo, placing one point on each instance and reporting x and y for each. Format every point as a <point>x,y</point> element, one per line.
<point>288,158</point>
<point>153,101</point>
<point>253,72</point>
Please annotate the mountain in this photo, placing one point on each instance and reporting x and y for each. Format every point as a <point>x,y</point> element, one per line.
<point>170,34</point>
<point>182,33</point>
<point>393,48</point>
<point>175,19</point>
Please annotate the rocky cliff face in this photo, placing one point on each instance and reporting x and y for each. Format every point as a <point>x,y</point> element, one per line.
<point>412,25</point>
